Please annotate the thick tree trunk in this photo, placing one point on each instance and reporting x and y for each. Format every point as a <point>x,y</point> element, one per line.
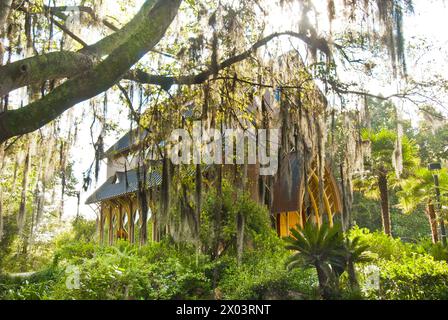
<point>432,218</point>
<point>384,196</point>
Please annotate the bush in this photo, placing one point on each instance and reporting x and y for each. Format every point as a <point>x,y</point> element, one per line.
<point>263,274</point>
<point>407,271</point>
<point>156,271</point>
<point>232,203</point>
<point>35,287</point>
<point>414,278</point>
<point>165,271</point>
<point>437,251</point>
<point>381,245</point>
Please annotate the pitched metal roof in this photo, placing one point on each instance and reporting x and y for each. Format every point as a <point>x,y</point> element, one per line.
<point>123,183</point>
<point>118,186</point>
<point>125,143</point>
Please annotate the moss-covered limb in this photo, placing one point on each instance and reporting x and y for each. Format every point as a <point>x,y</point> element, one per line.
<point>34,70</point>
<point>167,81</point>
<point>89,84</point>
<point>57,65</point>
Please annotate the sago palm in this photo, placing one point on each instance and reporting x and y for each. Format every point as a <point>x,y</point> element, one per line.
<point>321,247</point>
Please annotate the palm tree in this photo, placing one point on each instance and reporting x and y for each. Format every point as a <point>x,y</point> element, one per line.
<point>419,189</point>
<point>321,247</point>
<point>383,147</point>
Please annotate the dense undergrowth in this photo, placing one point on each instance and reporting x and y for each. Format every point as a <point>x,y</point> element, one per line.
<point>179,271</point>
<point>160,271</point>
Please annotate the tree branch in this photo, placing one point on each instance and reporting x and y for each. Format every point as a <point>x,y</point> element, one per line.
<point>116,39</point>
<point>57,65</point>
<point>54,65</point>
<point>168,81</point>
<point>101,78</point>
<point>58,11</point>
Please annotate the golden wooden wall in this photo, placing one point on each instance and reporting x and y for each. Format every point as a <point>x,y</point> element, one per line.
<point>309,207</point>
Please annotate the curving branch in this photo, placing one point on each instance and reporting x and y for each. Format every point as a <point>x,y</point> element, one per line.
<point>59,65</point>
<point>59,12</point>
<point>100,78</point>
<point>167,81</point>
<point>118,38</point>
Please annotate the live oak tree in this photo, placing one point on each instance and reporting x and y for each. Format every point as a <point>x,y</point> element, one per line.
<point>95,68</point>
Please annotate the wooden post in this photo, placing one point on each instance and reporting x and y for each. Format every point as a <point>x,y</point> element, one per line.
<point>101,222</point>
<point>111,225</point>
<point>131,222</point>
<point>120,234</point>
<point>155,230</point>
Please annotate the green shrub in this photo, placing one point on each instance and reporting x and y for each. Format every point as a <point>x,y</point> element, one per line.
<point>263,274</point>
<point>414,278</point>
<point>437,251</point>
<point>232,203</point>
<point>156,271</point>
<point>407,271</point>
<point>35,287</point>
<point>383,246</point>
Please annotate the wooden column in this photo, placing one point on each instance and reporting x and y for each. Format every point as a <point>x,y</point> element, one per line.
<point>131,217</point>
<point>120,229</point>
<point>101,222</point>
<point>111,225</point>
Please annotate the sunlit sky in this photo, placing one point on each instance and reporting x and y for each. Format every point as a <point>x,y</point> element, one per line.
<point>429,21</point>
